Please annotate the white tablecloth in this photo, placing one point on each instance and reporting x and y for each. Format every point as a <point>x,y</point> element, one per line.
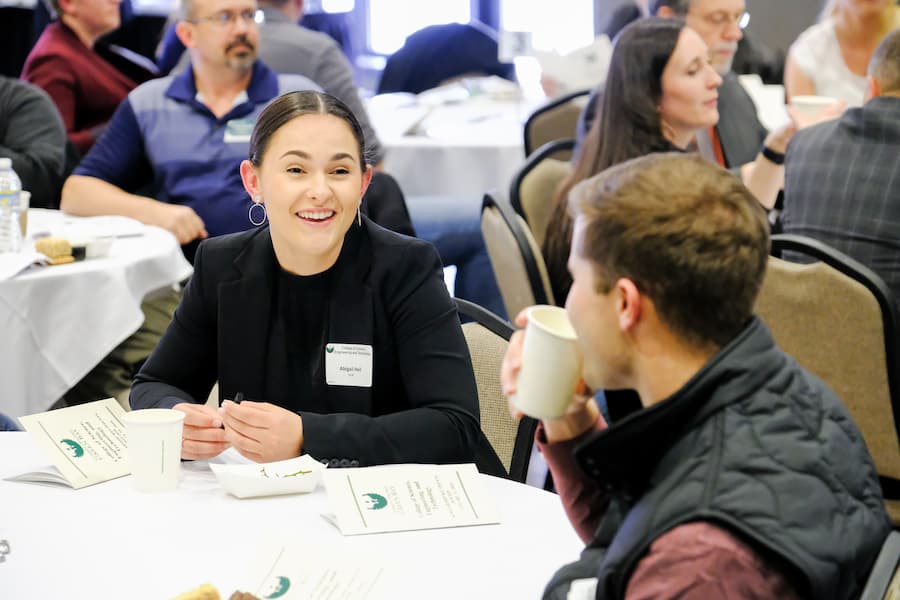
<point>463,148</point>
<point>59,321</point>
<point>108,541</point>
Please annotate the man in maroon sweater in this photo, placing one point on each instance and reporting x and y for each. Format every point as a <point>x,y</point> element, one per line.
<point>743,476</point>
<point>85,88</point>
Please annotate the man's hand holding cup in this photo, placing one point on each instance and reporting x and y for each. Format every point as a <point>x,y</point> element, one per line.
<point>541,374</point>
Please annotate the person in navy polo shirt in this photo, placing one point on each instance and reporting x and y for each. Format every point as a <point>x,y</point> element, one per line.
<point>171,157</point>
<point>172,151</point>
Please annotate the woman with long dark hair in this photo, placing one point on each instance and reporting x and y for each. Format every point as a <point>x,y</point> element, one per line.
<point>659,90</point>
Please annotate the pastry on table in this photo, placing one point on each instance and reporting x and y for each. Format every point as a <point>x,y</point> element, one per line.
<point>58,250</point>
<point>209,592</point>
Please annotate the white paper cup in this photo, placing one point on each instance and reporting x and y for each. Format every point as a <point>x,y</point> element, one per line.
<point>154,447</point>
<point>551,365</point>
<point>810,106</point>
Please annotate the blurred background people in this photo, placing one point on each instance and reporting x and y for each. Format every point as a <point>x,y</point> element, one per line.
<point>738,141</point>
<point>842,178</point>
<point>33,136</point>
<point>830,58</point>
<point>85,88</point>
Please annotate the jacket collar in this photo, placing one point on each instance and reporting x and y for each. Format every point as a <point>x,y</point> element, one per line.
<point>257,261</point>
<point>625,454</point>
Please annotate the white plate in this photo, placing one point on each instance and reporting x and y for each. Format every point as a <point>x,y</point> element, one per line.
<point>294,476</point>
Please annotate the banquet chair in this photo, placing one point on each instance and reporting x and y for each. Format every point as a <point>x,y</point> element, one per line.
<point>556,120</point>
<point>842,299</point>
<point>515,256</point>
<point>884,580</point>
<point>487,336</point>
<point>534,186</point>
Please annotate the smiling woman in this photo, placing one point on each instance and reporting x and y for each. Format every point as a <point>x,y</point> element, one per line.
<point>307,163</point>
<point>340,334</point>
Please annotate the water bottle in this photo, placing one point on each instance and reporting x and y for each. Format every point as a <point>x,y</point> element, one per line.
<point>10,188</point>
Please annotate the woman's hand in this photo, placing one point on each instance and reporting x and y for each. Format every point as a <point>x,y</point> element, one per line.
<point>203,436</point>
<point>261,431</point>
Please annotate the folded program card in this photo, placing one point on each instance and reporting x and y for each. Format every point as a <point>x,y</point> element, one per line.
<point>312,572</point>
<point>85,443</point>
<point>293,476</point>
<point>407,497</point>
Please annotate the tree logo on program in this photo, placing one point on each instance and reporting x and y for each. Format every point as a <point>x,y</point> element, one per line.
<point>72,448</point>
<point>373,501</point>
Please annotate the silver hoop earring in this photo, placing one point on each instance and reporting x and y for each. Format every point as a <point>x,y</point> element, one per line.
<point>358,216</point>
<point>257,203</point>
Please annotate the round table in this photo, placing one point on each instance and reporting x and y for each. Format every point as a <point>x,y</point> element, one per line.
<point>110,541</point>
<point>58,322</point>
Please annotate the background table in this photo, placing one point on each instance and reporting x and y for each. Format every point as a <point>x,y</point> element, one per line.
<point>451,146</point>
<point>109,541</point>
<point>60,321</point>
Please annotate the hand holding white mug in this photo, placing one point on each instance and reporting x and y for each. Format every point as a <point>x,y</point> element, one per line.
<point>581,410</point>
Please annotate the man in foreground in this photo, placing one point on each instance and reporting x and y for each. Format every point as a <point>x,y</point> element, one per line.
<point>743,475</point>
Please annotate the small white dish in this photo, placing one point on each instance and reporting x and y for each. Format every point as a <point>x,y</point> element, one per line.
<point>98,247</point>
<point>293,476</point>
<point>811,105</point>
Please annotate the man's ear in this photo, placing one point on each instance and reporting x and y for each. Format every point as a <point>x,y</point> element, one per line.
<point>628,304</point>
<point>250,179</point>
<point>185,33</point>
<point>873,89</point>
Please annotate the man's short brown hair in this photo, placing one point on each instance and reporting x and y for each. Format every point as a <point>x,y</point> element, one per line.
<point>689,235</point>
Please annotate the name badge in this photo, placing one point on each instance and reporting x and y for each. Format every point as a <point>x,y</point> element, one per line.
<point>239,130</point>
<point>348,364</point>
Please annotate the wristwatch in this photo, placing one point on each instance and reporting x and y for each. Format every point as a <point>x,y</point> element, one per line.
<point>776,158</point>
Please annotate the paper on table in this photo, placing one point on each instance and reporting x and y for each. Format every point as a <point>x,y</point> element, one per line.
<point>298,571</point>
<point>293,476</point>
<point>407,497</point>
<point>86,444</point>
<point>584,68</point>
<point>95,227</point>
<point>13,263</point>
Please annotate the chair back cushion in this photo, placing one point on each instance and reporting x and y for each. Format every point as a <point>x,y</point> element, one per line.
<point>507,261</point>
<point>832,325</point>
<point>536,194</point>
<point>487,349</point>
<point>555,122</point>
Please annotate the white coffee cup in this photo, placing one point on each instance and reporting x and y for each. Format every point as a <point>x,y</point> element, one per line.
<point>551,365</point>
<point>810,106</point>
<point>154,447</point>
